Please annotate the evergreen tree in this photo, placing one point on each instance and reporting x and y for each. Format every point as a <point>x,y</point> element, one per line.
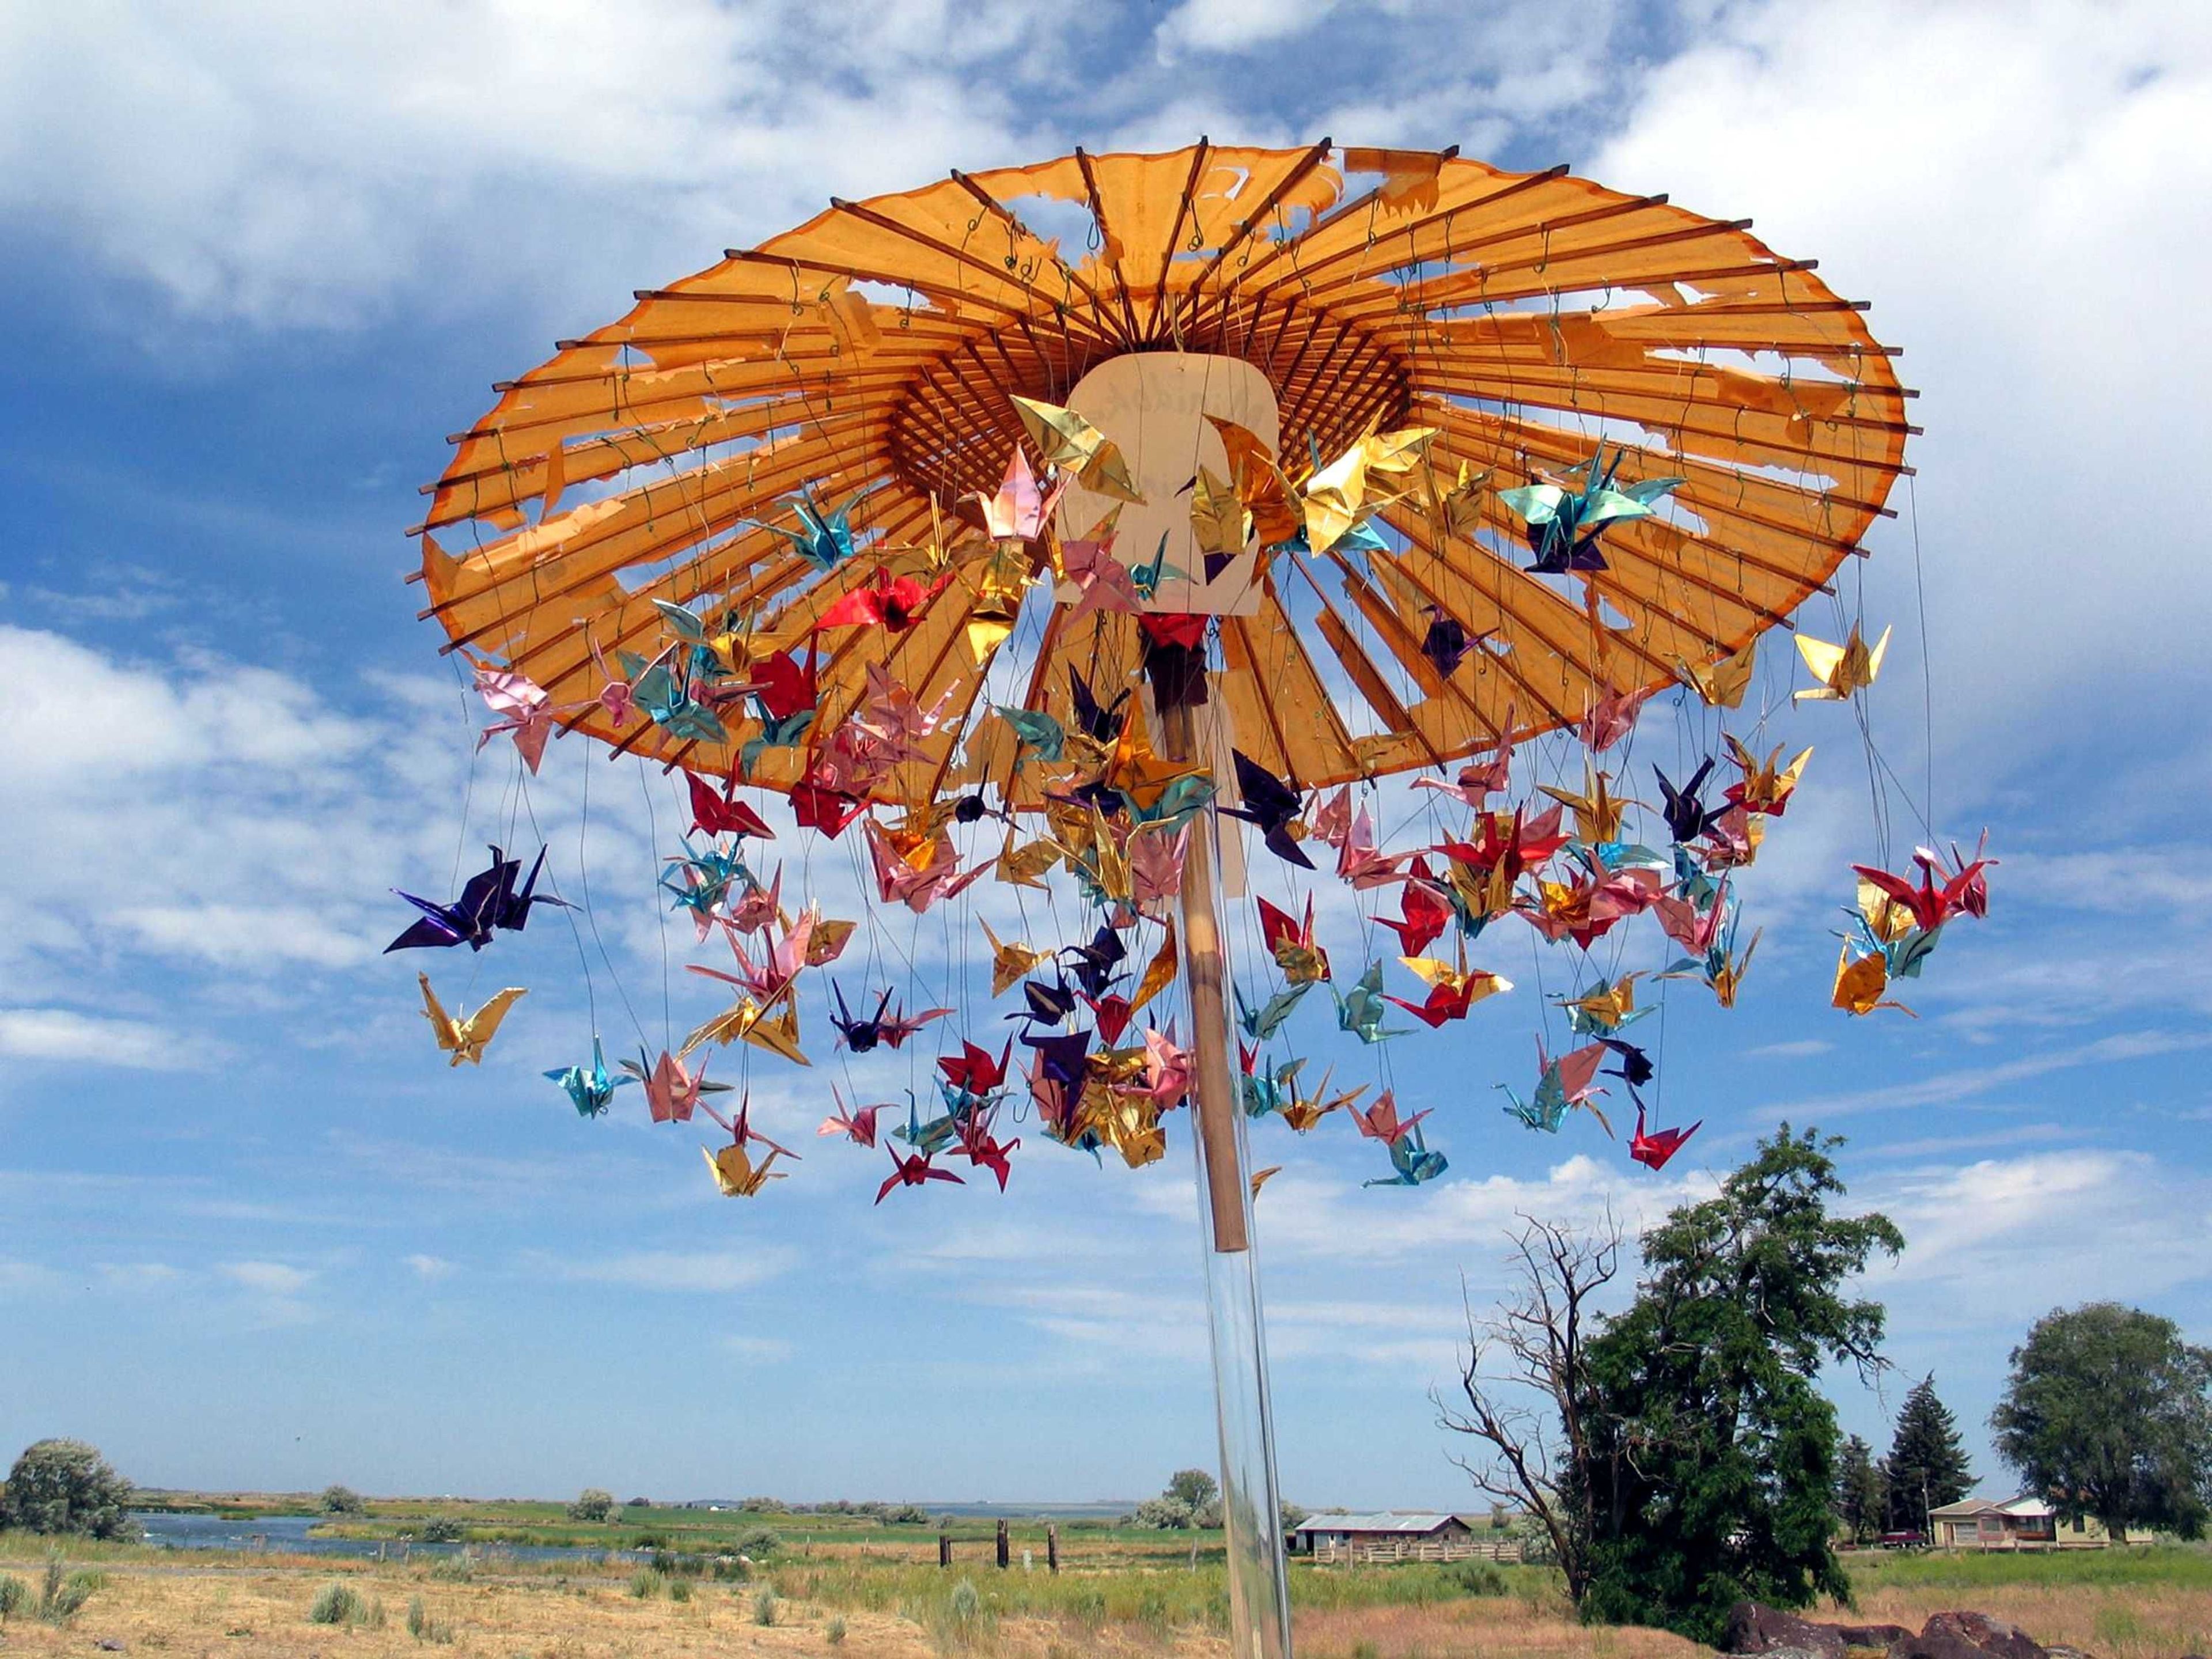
<point>1714,1455</point>
<point>1927,1464</point>
<point>1862,1491</point>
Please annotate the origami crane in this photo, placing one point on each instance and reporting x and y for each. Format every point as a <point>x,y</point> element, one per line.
<point>466,1037</point>
<point>488,900</point>
<point>672,1090</point>
<point>1422,915</point>
<point>1380,1121</point>
<point>1928,905</point>
<point>913,1170</point>
<point>1359,1011</point>
<point>857,1125</point>
<point>973,1072</point>
<point>981,1151</point>
<point>1652,1150</point>
<point>919,877</point>
<point>1597,811</point>
<point>749,1021</point>
<point>1038,733</point>
<point>1262,1023</point>
<point>1358,863</point>
<point>1452,990</point>
<point>1259,484</point>
<point>1563,525</point>
<point>1687,817</point>
<point>1340,496</point>
<point>1611,718</point>
<point>1219,522</point>
<point>1567,1081</point>
<point>1860,983</point>
<point>714,814</point>
<point>1840,669</point>
<point>893,604</point>
<point>1009,962</point>
<point>1302,1113</point>
<point>1046,1005</point>
<point>1070,442</point>
<point>662,691</point>
<point>1167,1073</point>
<point>589,1088</point>
<point>1291,945</point>
<point>528,710</point>
<point>1157,856</point>
<point>861,1036</point>
<point>1101,723</point>
<point>1605,1009</point>
<point>1721,685</point>
<point>824,539</point>
<point>1412,1161</point>
<point>1270,804</point>
<point>735,1174</point>
<point>1445,642</point>
<point>1018,511</point>
<point>1101,581</point>
<point>1455,509</point>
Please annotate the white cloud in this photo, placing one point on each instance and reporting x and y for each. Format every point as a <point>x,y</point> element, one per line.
<point>430,1267</point>
<point>679,1270</point>
<point>272,1279</point>
<point>63,1034</point>
<point>1210,25</point>
<point>757,1350</point>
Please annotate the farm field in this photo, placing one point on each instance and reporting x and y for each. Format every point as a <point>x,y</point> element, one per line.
<point>834,1584</point>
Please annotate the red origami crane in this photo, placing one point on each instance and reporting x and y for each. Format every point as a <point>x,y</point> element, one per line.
<point>1652,1150</point>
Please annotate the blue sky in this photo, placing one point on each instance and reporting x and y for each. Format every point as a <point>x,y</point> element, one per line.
<point>259,260</point>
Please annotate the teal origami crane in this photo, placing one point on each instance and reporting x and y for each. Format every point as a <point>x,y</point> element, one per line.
<point>590,1089</point>
<point>1269,1092</point>
<point>1412,1160</point>
<point>1563,525</point>
<point>1360,1010</point>
<point>1261,1023</point>
<point>665,694</point>
<point>1038,731</point>
<point>1147,577</point>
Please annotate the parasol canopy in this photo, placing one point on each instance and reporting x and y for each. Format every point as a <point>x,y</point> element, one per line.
<point>815,418</point>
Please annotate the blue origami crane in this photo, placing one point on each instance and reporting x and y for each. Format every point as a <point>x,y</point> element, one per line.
<point>590,1089</point>
<point>1264,1022</point>
<point>1038,731</point>
<point>824,539</point>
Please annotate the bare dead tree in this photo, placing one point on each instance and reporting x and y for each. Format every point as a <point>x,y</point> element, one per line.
<point>1523,1377</point>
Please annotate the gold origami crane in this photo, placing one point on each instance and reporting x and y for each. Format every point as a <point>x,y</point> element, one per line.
<point>1218,520</point>
<point>1728,979</point>
<point>1859,984</point>
<point>1026,864</point>
<point>1302,1112</point>
<point>1072,444</point>
<point>1456,510</point>
<point>749,1022</point>
<point>1010,964</point>
<point>1721,685</point>
<point>465,1038</point>
<point>1159,972</point>
<point>1764,789</point>
<point>1340,495</point>
<point>1597,811</point>
<point>734,1173</point>
<point>1842,669</point>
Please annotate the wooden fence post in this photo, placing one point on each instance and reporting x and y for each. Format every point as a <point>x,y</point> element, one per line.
<point>1002,1543</point>
<point>1052,1549</point>
<point>945,1549</point>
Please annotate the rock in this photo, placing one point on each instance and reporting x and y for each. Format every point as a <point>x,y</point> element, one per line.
<point>2060,1651</point>
<point>1968,1636</point>
<point>1872,1636</point>
<point>1753,1628</point>
<point>1991,1636</point>
<point>108,1644</point>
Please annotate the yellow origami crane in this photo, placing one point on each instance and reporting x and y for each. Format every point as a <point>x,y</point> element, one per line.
<point>465,1038</point>
<point>1303,1112</point>
<point>1764,789</point>
<point>1159,972</point>
<point>1443,975</point>
<point>1840,669</point>
<point>1609,1008</point>
<point>1859,984</point>
<point>1025,865</point>
<point>1010,964</point>
<point>1258,483</point>
<point>734,1174</point>
<point>1597,811</point>
<point>747,1022</point>
<point>1728,979</point>
<point>1721,685</point>
<point>1456,510</point>
<point>999,582</point>
<point>1260,1177</point>
<point>1072,443</point>
<point>1885,919</point>
<point>1340,495</point>
<point>1218,520</point>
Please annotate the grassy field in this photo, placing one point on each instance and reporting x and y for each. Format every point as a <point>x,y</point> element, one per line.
<point>864,1590</point>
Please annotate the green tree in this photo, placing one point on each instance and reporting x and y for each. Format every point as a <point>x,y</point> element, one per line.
<point>592,1503</point>
<point>66,1486</point>
<point>343,1500</point>
<point>1193,1486</point>
<point>1927,1463</point>
<point>1862,1492</point>
<point>1714,1456</point>
<point>2109,1413</point>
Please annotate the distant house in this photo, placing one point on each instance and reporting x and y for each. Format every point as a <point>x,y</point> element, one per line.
<point>2014,1523</point>
<point>1396,1535</point>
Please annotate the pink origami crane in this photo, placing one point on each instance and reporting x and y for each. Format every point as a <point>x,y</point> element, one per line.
<point>1167,1073</point>
<point>918,888</point>
<point>1018,511</point>
<point>1611,718</point>
<point>528,708</point>
<point>858,1124</point>
<point>1104,580</point>
<point>1380,1121</point>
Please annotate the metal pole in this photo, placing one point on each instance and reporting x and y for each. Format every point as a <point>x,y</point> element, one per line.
<point>1251,1510</point>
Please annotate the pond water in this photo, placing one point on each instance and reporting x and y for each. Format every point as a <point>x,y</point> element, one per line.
<point>287,1535</point>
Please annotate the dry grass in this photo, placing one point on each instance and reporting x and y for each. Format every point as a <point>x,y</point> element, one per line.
<point>228,1610</point>
<point>2113,1621</point>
